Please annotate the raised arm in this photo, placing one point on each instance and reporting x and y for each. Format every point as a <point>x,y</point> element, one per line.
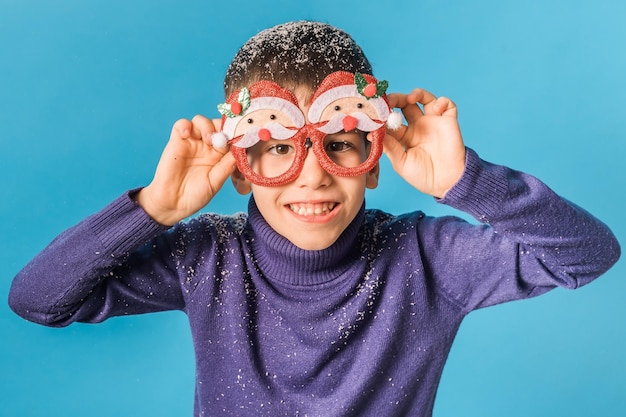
<point>429,153</point>
<point>102,267</point>
<point>190,172</point>
<point>530,239</point>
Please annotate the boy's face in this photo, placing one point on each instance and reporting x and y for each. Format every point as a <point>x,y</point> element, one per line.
<point>313,210</point>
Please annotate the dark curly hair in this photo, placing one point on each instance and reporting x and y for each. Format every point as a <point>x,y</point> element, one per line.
<point>295,54</point>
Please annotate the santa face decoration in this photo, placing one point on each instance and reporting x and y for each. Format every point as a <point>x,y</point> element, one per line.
<point>269,138</point>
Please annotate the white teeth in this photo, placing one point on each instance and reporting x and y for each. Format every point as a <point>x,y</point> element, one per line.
<point>312,209</point>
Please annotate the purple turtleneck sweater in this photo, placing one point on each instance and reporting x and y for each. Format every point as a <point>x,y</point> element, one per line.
<point>362,328</point>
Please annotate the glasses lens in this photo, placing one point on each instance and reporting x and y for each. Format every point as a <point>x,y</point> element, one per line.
<point>272,158</point>
<point>347,149</point>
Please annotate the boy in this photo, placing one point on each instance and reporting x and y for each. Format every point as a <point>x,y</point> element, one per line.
<point>309,304</point>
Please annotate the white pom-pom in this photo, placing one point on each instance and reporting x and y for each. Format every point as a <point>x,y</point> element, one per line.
<point>218,140</point>
<point>394,120</point>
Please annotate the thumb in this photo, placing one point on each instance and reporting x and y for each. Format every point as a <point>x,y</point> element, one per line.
<point>394,150</point>
<point>397,133</point>
<point>221,171</point>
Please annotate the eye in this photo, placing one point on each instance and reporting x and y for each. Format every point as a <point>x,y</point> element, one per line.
<point>359,105</point>
<point>250,121</point>
<point>339,146</point>
<point>272,117</point>
<point>337,108</point>
<point>280,149</point>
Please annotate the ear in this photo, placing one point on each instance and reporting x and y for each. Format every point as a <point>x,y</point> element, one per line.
<point>242,185</point>
<point>371,178</point>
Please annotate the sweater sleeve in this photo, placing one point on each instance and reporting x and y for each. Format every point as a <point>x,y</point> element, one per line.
<point>91,271</point>
<point>529,239</point>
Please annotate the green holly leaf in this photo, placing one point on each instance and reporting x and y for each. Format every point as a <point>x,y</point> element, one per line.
<point>243,98</point>
<point>381,87</point>
<point>368,90</point>
<point>224,109</point>
<point>360,82</point>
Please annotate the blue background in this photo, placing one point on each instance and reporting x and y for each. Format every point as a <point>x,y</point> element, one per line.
<point>90,89</point>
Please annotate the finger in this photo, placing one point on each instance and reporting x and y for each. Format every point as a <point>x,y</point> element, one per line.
<point>445,107</point>
<point>394,150</point>
<point>227,164</point>
<point>407,104</point>
<point>206,129</point>
<point>182,129</point>
<point>202,127</point>
<point>221,171</point>
<point>419,95</point>
<point>397,100</point>
<point>398,133</point>
<point>424,98</point>
<point>396,153</point>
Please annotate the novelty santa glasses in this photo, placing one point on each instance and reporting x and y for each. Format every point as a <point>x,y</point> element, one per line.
<point>270,139</point>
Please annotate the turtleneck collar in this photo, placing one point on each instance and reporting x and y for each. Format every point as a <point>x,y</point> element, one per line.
<point>282,261</point>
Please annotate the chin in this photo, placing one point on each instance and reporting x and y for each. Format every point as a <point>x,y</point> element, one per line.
<point>314,244</point>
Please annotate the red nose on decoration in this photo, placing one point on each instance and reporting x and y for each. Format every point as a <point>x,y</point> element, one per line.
<point>349,123</point>
<point>265,135</point>
<point>236,108</point>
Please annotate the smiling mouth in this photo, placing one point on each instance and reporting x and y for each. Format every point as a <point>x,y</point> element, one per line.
<point>310,209</point>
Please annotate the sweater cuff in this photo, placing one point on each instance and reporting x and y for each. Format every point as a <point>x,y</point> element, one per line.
<point>480,191</point>
<point>123,225</point>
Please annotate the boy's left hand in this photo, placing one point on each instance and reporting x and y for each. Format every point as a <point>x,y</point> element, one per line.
<point>428,153</point>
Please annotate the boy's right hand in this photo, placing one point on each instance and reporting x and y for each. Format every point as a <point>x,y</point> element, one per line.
<point>190,172</point>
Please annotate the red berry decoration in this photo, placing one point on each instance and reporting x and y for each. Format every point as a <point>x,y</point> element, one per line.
<point>370,90</point>
<point>236,108</point>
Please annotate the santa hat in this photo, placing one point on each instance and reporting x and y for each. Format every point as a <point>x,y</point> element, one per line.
<point>261,95</point>
<point>343,84</point>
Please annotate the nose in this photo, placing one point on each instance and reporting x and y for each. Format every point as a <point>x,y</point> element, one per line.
<point>312,174</point>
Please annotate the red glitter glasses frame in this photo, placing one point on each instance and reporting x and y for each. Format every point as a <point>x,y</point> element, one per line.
<point>353,90</point>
